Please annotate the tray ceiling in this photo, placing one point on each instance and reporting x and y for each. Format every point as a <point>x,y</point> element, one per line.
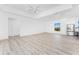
<point>37,10</point>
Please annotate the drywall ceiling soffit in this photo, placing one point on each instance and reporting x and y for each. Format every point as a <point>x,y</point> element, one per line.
<point>55,10</point>
<point>43,10</point>
<point>14,11</point>
<point>73,12</point>
<point>28,8</point>
<point>67,13</point>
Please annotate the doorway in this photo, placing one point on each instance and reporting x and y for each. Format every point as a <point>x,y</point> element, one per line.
<point>13,28</point>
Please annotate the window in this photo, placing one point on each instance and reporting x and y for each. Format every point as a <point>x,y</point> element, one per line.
<point>57,25</point>
<point>77,23</point>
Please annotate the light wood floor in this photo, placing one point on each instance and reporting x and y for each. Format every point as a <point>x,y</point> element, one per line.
<point>40,44</point>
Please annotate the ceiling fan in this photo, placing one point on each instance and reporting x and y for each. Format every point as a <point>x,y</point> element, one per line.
<point>33,9</point>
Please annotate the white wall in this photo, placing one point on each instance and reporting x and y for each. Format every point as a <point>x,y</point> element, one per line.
<point>28,26</point>
<point>32,26</point>
<point>3,26</point>
<point>13,27</point>
<point>25,25</point>
<point>64,22</point>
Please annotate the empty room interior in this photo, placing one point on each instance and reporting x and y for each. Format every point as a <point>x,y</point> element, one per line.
<point>39,29</point>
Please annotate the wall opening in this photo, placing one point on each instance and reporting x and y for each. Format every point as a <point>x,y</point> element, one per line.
<point>13,28</point>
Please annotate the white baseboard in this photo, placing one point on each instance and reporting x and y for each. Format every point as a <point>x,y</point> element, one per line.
<point>32,34</point>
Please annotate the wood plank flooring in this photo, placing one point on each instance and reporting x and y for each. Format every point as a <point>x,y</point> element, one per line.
<point>40,44</point>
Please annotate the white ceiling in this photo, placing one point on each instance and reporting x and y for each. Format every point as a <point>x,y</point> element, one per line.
<point>28,8</point>
<point>42,10</point>
<point>72,12</point>
<point>25,7</point>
